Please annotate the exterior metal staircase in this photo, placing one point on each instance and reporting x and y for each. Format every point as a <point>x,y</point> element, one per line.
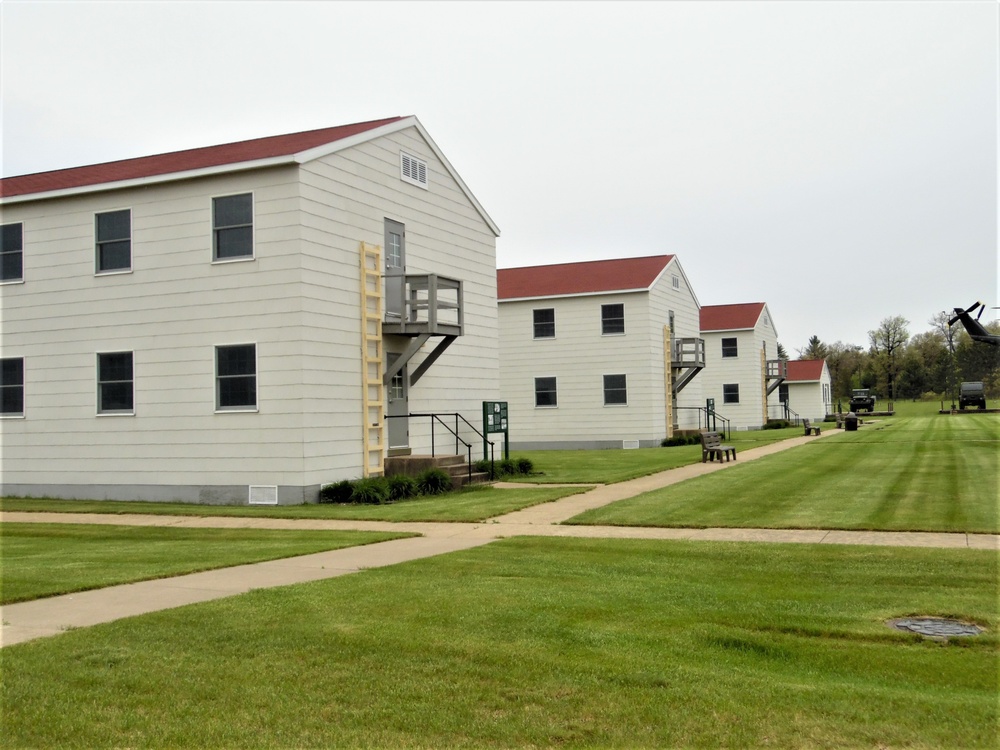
<point>431,306</point>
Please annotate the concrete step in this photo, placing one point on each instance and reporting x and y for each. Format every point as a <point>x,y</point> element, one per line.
<point>456,467</point>
<point>412,466</point>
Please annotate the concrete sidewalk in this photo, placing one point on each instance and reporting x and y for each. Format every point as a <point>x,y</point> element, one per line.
<point>44,617</point>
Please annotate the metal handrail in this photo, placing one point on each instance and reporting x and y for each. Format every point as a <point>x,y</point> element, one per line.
<point>726,430</point>
<point>434,417</point>
<point>788,414</point>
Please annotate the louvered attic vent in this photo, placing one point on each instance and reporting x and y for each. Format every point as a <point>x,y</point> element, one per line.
<point>413,170</point>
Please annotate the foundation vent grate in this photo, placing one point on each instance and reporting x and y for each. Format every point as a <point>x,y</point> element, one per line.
<point>263,494</point>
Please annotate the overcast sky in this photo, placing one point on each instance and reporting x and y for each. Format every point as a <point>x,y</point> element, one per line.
<point>837,160</point>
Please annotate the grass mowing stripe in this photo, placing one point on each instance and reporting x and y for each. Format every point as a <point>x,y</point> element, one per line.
<point>41,560</point>
<point>539,642</point>
<point>898,481</point>
<point>468,505</point>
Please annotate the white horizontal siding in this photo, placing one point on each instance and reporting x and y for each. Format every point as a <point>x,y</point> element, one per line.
<point>743,370</point>
<point>346,199</point>
<point>578,357</point>
<point>171,311</point>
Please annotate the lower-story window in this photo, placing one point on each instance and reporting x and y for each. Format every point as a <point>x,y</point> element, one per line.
<point>236,376</point>
<point>115,383</point>
<point>615,390</point>
<point>731,393</point>
<point>545,392</point>
<point>12,386</point>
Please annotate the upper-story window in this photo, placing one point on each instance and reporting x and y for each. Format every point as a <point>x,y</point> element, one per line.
<point>612,319</point>
<point>12,387</point>
<point>676,280</point>
<point>232,227</point>
<point>115,392</point>
<point>729,348</point>
<point>12,252</point>
<point>544,323</point>
<point>114,241</point>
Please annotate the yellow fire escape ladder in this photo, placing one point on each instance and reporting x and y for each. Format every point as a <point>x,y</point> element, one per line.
<point>372,359</point>
<point>668,383</point>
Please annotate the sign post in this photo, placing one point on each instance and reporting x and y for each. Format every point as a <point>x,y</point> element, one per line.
<point>495,420</point>
<point>710,414</point>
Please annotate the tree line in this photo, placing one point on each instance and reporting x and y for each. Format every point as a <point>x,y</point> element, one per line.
<point>896,365</point>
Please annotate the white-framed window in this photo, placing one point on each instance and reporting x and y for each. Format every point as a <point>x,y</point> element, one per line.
<point>397,386</point>
<point>12,252</point>
<point>544,323</point>
<point>115,383</point>
<point>615,390</point>
<point>731,393</point>
<point>413,170</point>
<point>612,319</point>
<point>12,387</point>
<point>236,377</point>
<point>676,280</point>
<point>394,246</point>
<point>545,392</point>
<point>729,348</point>
<point>232,227</point>
<point>113,241</point>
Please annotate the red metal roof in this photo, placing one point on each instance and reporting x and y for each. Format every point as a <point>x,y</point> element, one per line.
<point>183,161</point>
<point>731,317</point>
<point>587,277</point>
<point>805,369</point>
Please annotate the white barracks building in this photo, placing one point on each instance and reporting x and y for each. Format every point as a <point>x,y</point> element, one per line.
<point>244,322</point>
<point>599,354</point>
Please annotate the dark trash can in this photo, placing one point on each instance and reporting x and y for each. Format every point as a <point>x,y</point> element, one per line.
<point>851,422</point>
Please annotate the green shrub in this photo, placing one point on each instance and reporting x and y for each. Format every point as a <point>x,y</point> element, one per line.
<point>401,487</point>
<point>370,491</point>
<point>506,467</point>
<point>487,467</point>
<point>777,424</point>
<point>434,482</point>
<point>338,492</point>
<point>524,465</point>
<point>670,442</point>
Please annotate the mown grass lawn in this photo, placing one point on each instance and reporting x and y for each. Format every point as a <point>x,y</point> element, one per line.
<point>540,642</point>
<point>610,466</point>
<point>38,560</point>
<point>934,473</point>
<point>468,505</point>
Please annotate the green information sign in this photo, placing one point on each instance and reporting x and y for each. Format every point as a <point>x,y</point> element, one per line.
<point>495,420</point>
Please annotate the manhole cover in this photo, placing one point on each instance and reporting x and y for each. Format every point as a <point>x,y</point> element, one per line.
<point>935,627</point>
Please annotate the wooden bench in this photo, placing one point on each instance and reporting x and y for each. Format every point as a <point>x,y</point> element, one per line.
<point>814,429</point>
<point>711,446</point>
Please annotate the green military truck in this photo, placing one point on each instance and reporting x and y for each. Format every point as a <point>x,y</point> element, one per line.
<point>972,394</point>
<point>862,399</point>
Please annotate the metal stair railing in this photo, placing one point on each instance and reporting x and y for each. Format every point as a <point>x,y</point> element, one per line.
<point>711,419</point>
<point>435,418</point>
